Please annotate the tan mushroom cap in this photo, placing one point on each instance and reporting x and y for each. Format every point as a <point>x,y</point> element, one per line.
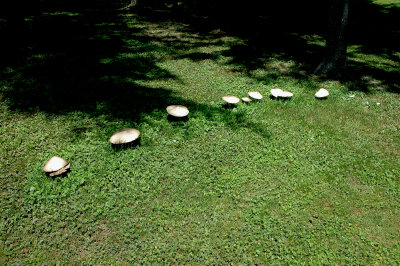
<point>322,93</point>
<point>286,94</point>
<point>255,95</point>
<point>276,92</point>
<point>231,99</point>
<point>55,164</point>
<point>246,99</point>
<point>177,110</point>
<point>125,135</point>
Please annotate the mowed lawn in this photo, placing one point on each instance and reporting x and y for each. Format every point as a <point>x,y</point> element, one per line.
<point>284,182</point>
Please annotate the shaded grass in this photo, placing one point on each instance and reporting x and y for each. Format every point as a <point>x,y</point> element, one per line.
<point>301,181</point>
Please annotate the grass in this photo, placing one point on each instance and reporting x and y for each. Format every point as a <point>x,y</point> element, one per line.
<point>300,181</point>
<point>387,2</point>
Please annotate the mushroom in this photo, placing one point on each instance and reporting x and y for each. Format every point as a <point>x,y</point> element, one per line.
<point>126,136</point>
<point>286,95</point>
<point>276,93</point>
<point>56,166</point>
<point>231,99</point>
<point>254,95</point>
<point>246,99</point>
<point>177,112</point>
<point>322,94</point>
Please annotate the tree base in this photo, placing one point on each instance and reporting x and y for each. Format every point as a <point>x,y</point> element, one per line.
<point>328,70</point>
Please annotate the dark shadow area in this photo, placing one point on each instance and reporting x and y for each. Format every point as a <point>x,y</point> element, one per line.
<point>62,56</point>
<point>375,31</point>
<point>172,119</point>
<point>229,106</point>
<point>290,30</point>
<point>65,56</point>
<point>78,59</point>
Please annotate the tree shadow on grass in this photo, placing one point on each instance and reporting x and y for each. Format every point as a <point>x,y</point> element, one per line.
<point>90,59</point>
<point>374,61</point>
<point>273,31</point>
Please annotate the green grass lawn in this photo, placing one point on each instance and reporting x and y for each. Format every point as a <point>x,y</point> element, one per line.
<point>388,2</point>
<point>299,181</point>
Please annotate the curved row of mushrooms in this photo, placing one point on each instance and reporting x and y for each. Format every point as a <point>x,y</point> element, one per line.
<point>275,93</point>
<point>128,137</point>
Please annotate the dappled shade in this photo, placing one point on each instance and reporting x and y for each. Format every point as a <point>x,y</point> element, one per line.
<point>67,56</point>
<point>94,58</point>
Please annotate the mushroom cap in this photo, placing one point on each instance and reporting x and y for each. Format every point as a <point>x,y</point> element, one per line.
<point>231,99</point>
<point>286,94</point>
<point>255,95</point>
<point>177,110</point>
<point>322,93</point>
<point>246,99</point>
<point>55,164</point>
<point>125,135</point>
<point>276,92</point>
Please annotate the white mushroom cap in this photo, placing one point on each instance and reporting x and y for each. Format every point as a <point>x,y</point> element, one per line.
<point>276,92</point>
<point>322,93</point>
<point>125,135</point>
<point>255,95</point>
<point>55,164</point>
<point>177,110</point>
<point>286,94</point>
<point>246,99</point>
<point>231,99</point>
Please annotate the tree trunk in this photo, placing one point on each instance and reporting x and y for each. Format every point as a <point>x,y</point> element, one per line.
<point>334,60</point>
